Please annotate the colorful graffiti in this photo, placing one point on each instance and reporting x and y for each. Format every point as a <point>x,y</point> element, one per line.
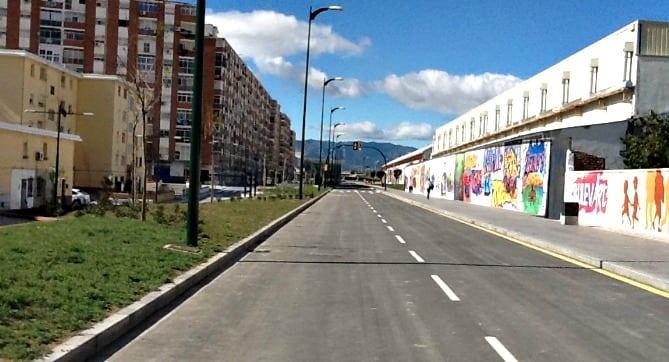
<point>635,200</point>
<point>535,176</point>
<point>489,177</point>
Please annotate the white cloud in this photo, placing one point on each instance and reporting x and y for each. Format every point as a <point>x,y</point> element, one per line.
<point>403,131</point>
<point>439,91</point>
<point>269,38</point>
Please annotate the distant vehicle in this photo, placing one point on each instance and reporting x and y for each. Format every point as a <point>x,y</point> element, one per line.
<point>80,199</point>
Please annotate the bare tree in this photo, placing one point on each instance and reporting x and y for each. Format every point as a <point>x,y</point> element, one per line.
<point>146,92</point>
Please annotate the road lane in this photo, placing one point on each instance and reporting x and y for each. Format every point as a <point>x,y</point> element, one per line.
<point>332,285</point>
<point>541,307</point>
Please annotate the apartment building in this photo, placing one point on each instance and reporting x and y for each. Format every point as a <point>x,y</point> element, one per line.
<point>512,151</point>
<point>37,96</point>
<point>151,43</point>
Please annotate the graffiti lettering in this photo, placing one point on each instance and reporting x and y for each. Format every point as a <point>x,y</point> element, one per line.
<point>535,159</point>
<point>591,192</point>
<point>493,160</point>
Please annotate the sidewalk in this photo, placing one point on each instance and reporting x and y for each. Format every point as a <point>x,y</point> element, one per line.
<point>639,258</point>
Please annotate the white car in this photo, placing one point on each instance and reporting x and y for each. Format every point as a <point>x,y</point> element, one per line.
<point>80,199</point>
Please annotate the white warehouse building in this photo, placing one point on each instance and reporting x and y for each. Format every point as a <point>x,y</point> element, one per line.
<point>583,103</point>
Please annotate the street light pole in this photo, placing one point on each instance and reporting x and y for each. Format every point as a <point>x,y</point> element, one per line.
<point>330,132</point>
<point>312,15</point>
<point>333,129</point>
<point>320,144</point>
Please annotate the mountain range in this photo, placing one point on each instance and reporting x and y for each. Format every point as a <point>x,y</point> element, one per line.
<point>368,157</point>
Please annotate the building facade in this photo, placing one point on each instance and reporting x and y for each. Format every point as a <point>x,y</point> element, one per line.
<point>511,151</point>
<point>151,43</point>
<point>32,143</point>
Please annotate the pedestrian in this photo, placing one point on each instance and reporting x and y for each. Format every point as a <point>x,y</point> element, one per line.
<point>430,186</point>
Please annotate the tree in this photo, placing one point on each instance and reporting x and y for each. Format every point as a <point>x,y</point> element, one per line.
<point>646,143</point>
<point>146,94</point>
<point>397,173</point>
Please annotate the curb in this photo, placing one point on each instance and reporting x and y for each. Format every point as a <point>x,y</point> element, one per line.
<point>597,263</point>
<point>91,341</point>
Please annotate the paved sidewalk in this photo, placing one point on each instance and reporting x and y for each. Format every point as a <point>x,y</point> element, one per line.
<point>640,258</point>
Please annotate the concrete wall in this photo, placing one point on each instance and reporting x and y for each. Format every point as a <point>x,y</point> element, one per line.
<point>513,177</point>
<point>631,200</point>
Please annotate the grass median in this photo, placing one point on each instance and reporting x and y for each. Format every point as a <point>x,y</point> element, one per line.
<point>61,277</point>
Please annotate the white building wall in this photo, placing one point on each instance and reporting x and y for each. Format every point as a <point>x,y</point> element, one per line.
<point>609,56</point>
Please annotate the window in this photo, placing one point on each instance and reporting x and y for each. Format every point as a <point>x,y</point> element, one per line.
<point>32,70</point>
<point>509,111</point>
<point>629,53</point>
<point>145,62</point>
<point>25,149</point>
<point>50,55</point>
<point>184,117</point>
<point>73,56</point>
<point>544,94</point>
<point>497,117</point>
<point>147,47</point>
<point>526,104</point>
<point>565,87</point>
<point>471,129</point>
<point>462,135</point>
<point>149,7</point>
<point>485,122</point>
<point>52,90</point>
<point>45,150</point>
<point>63,81</point>
<point>50,36</point>
<point>594,69</point>
<point>186,97</point>
<point>183,135</point>
<point>186,65</point>
<point>74,35</point>
<point>457,132</point>
<point>50,18</point>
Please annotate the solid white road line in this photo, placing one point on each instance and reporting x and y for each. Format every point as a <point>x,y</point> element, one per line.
<point>379,215</point>
<point>384,221</point>
<point>390,228</point>
<point>449,293</point>
<point>399,238</point>
<point>500,349</point>
<point>416,256</point>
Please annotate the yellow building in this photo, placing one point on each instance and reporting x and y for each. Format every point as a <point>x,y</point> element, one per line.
<point>36,96</point>
<point>109,137</point>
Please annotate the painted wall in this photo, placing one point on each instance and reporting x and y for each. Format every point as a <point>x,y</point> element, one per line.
<point>513,177</point>
<point>632,200</point>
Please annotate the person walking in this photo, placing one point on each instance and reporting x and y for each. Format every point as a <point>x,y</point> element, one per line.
<point>430,186</point>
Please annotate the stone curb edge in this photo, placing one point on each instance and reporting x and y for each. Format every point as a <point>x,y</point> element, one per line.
<point>596,263</point>
<point>93,340</point>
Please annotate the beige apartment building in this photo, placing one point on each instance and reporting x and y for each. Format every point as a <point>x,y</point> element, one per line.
<point>245,133</point>
<point>36,97</point>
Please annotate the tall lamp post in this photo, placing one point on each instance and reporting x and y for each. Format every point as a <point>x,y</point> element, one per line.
<point>330,131</point>
<point>62,112</point>
<point>320,144</point>
<point>312,15</point>
<point>333,132</point>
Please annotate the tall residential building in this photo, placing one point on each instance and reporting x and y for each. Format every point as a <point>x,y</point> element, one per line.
<point>151,43</point>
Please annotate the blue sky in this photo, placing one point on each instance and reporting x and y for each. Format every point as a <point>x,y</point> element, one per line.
<point>409,66</point>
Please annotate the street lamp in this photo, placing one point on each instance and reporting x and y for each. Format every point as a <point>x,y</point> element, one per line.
<point>330,131</point>
<point>320,144</point>
<point>62,112</point>
<point>312,15</point>
<point>334,152</point>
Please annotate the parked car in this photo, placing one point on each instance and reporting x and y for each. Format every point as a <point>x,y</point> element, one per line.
<point>80,199</point>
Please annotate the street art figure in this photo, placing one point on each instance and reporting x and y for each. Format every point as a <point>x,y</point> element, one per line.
<point>635,204</point>
<point>654,199</point>
<point>626,205</point>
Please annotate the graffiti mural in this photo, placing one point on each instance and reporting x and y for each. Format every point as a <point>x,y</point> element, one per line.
<point>634,200</point>
<point>459,172</point>
<point>534,183</point>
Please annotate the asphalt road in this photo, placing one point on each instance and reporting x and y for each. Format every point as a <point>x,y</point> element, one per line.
<point>363,277</point>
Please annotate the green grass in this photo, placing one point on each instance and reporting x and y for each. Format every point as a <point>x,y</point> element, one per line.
<point>60,277</point>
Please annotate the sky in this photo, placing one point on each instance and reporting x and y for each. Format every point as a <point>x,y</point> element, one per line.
<point>409,66</point>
